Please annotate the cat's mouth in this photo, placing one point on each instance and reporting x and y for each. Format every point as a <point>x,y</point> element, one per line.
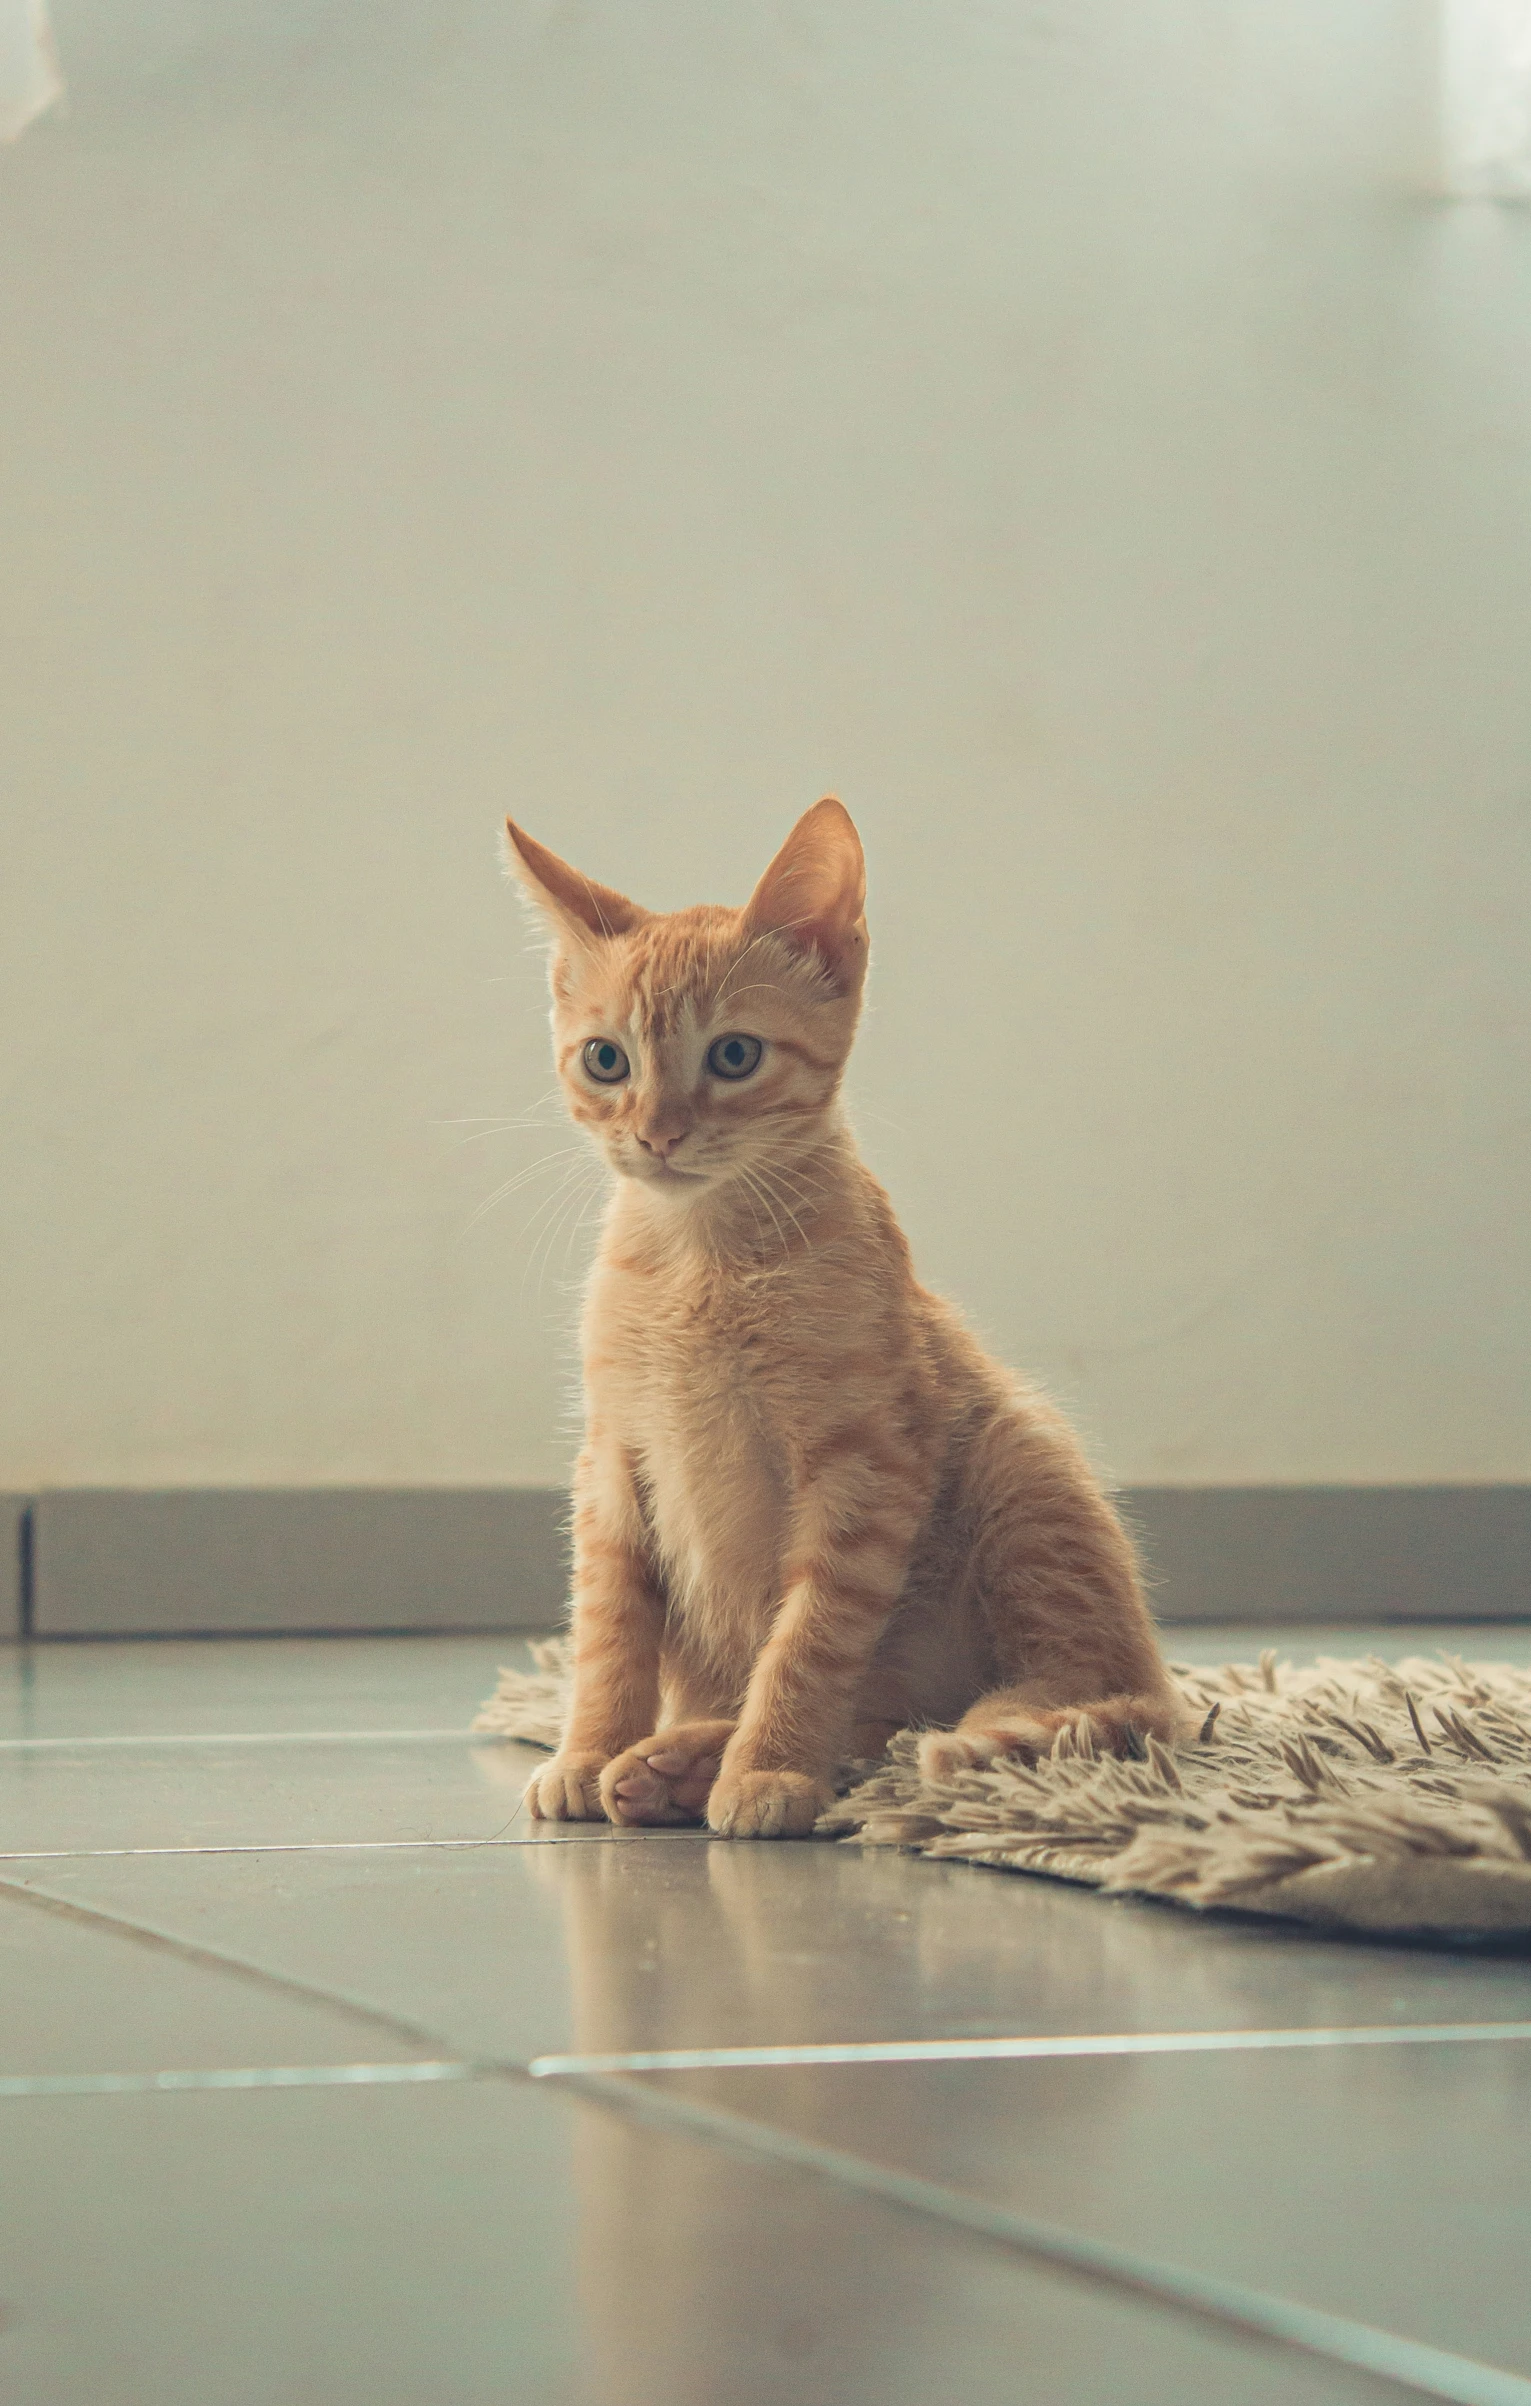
<point>664,1173</point>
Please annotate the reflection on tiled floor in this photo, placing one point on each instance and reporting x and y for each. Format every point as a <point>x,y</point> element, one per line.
<point>1402,2174</point>
<point>276,1860</point>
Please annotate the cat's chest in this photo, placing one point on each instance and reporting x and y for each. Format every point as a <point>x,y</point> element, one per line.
<point>686,1358</point>
<point>691,1383</point>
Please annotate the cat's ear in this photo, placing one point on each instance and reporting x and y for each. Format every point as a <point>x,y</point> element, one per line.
<point>574,905</point>
<point>814,892</point>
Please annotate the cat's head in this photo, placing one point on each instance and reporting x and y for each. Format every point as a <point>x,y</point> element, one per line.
<point>697,1045</point>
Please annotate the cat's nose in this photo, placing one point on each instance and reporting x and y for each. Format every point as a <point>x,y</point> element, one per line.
<point>662,1138</point>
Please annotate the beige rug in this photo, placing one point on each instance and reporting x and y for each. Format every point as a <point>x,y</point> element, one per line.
<point>1357,1795</point>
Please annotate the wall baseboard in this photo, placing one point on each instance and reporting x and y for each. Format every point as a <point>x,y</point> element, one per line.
<point>15,1564</point>
<point>109,1562</point>
<point>120,1562</point>
<point>1284,1554</point>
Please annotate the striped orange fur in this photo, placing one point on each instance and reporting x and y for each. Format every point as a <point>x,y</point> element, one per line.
<point>809,1509</point>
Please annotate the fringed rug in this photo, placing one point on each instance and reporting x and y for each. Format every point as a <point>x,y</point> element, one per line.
<point>1357,1795</point>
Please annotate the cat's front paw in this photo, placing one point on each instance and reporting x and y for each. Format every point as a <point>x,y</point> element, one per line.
<point>766,1804</point>
<point>567,1789</point>
<point>665,1779</point>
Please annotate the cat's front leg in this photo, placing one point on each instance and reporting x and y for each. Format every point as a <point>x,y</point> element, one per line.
<point>855,1523</point>
<point>617,1617</point>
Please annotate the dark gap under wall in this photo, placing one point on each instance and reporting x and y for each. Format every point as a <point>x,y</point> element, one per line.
<point>26,1572</point>
<point>112,1562</point>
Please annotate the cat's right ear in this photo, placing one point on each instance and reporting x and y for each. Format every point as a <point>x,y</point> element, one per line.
<point>575,907</point>
<point>814,893</point>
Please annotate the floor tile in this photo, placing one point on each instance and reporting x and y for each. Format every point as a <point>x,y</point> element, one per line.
<point>148,1687</point>
<point>1390,2185</point>
<point>75,1998</point>
<point>270,1792</point>
<point>490,2247</point>
<point>498,2242</point>
<point>681,1941</point>
<point>1476,1641</point>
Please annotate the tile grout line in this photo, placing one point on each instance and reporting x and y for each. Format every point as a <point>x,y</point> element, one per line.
<point>263,1737</point>
<point>565,2067</point>
<point>325,1846</point>
<point>242,2076</point>
<point>1255,2314</point>
<point>192,1950</point>
<point>1044,2047</point>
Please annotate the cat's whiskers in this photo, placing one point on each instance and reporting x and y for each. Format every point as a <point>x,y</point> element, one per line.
<point>763,986</point>
<point>524,1118</point>
<point>798,1179</point>
<point>595,1193</point>
<point>753,1183</point>
<point>730,974</point>
<point>768,1180</point>
<point>508,1127</point>
<point>788,1174</point>
<point>550,1211</point>
<point>522,1177</point>
<point>568,1219</point>
<point>749,1200</point>
<point>549,1201</point>
<point>864,1111</point>
<point>752,1196</point>
<point>769,1166</point>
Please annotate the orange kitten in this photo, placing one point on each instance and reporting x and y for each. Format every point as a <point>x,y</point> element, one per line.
<point>809,1509</point>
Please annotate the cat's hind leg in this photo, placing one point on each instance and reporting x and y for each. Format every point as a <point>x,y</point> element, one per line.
<point>1059,1588</point>
<point>1018,1721</point>
<point>665,1779</point>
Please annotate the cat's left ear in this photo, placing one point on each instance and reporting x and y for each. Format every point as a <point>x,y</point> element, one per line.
<point>814,892</point>
<point>574,905</point>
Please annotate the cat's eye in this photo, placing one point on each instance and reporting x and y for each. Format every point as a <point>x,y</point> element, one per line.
<point>605,1062</point>
<point>735,1056</point>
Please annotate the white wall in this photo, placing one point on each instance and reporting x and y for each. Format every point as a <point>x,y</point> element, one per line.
<point>1067,430</point>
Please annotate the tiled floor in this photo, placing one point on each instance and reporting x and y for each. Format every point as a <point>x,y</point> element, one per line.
<point>281,1870</point>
